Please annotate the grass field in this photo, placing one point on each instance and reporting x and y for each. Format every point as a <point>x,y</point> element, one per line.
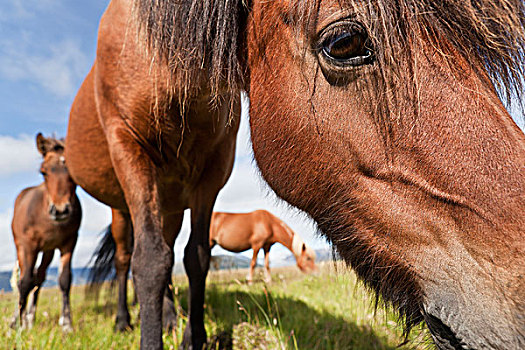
<point>325,311</point>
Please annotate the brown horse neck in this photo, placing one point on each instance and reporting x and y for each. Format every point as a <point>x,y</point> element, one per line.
<point>284,235</point>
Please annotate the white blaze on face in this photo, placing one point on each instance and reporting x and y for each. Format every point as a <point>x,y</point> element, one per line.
<point>297,246</point>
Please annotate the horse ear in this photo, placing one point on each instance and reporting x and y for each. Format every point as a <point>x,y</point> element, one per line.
<point>41,144</point>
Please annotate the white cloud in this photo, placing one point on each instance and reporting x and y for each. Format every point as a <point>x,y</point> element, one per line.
<point>244,143</point>
<point>17,10</point>
<point>7,248</point>
<point>56,69</point>
<point>245,191</point>
<point>18,154</point>
<point>95,217</point>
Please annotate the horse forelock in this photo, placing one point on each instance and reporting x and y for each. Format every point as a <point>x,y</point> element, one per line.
<point>489,35</point>
<point>194,36</point>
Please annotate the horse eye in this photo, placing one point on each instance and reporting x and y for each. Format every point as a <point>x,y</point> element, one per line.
<point>346,45</point>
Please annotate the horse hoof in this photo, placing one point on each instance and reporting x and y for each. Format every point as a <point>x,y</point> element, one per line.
<point>122,324</point>
<point>184,346</point>
<point>14,323</point>
<point>29,321</point>
<point>187,343</point>
<point>66,324</point>
<point>169,324</point>
<point>122,327</point>
<point>25,324</point>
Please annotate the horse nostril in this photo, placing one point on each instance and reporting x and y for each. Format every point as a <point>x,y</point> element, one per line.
<point>61,211</point>
<point>443,335</point>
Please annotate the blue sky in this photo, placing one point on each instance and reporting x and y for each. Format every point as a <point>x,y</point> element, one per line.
<point>46,49</point>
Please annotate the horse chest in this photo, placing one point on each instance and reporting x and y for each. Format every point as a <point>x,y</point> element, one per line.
<point>52,238</point>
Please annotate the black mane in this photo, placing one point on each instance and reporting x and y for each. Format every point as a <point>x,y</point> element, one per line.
<point>197,39</point>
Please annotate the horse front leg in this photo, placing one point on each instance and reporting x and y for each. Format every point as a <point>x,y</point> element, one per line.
<point>267,275</point>
<point>197,263</point>
<point>151,264</point>
<point>152,258</point>
<point>64,281</point>
<point>39,280</point>
<point>121,230</point>
<point>253,263</point>
<point>27,259</point>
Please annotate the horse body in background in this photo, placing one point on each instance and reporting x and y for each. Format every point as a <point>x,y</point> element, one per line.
<point>45,218</point>
<point>391,136</point>
<point>238,232</point>
<point>148,145</point>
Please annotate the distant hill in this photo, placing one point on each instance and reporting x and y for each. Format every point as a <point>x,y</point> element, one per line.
<point>219,262</point>
<point>320,255</point>
<point>79,277</point>
<point>4,281</point>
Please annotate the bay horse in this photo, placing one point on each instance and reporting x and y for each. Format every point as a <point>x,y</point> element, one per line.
<point>383,120</point>
<point>46,217</point>
<point>260,229</point>
<point>149,144</point>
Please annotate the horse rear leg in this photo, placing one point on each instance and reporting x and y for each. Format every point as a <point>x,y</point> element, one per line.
<point>121,229</point>
<point>64,281</point>
<point>40,278</point>
<point>169,314</point>
<point>197,263</point>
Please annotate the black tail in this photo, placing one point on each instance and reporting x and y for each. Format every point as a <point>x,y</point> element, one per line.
<point>103,260</point>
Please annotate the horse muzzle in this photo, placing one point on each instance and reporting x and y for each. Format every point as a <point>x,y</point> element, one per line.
<point>60,212</point>
<point>455,325</point>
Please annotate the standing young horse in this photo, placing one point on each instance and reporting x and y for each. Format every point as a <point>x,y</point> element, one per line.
<point>391,135</point>
<point>258,230</point>
<point>45,218</point>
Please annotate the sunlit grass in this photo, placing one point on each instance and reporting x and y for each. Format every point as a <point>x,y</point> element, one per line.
<point>325,311</point>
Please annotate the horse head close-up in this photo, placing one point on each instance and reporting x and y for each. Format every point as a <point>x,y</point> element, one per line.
<point>382,120</point>
<point>60,186</point>
<point>392,136</point>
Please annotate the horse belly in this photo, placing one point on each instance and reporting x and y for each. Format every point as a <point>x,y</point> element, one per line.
<point>87,151</point>
<point>235,247</point>
<point>234,240</point>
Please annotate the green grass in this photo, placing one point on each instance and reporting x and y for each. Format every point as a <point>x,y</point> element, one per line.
<point>325,311</point>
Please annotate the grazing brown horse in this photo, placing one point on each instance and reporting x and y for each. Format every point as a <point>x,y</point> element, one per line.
<point>381,119</point>
<point>45,218</point>
<point>258,230</point>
